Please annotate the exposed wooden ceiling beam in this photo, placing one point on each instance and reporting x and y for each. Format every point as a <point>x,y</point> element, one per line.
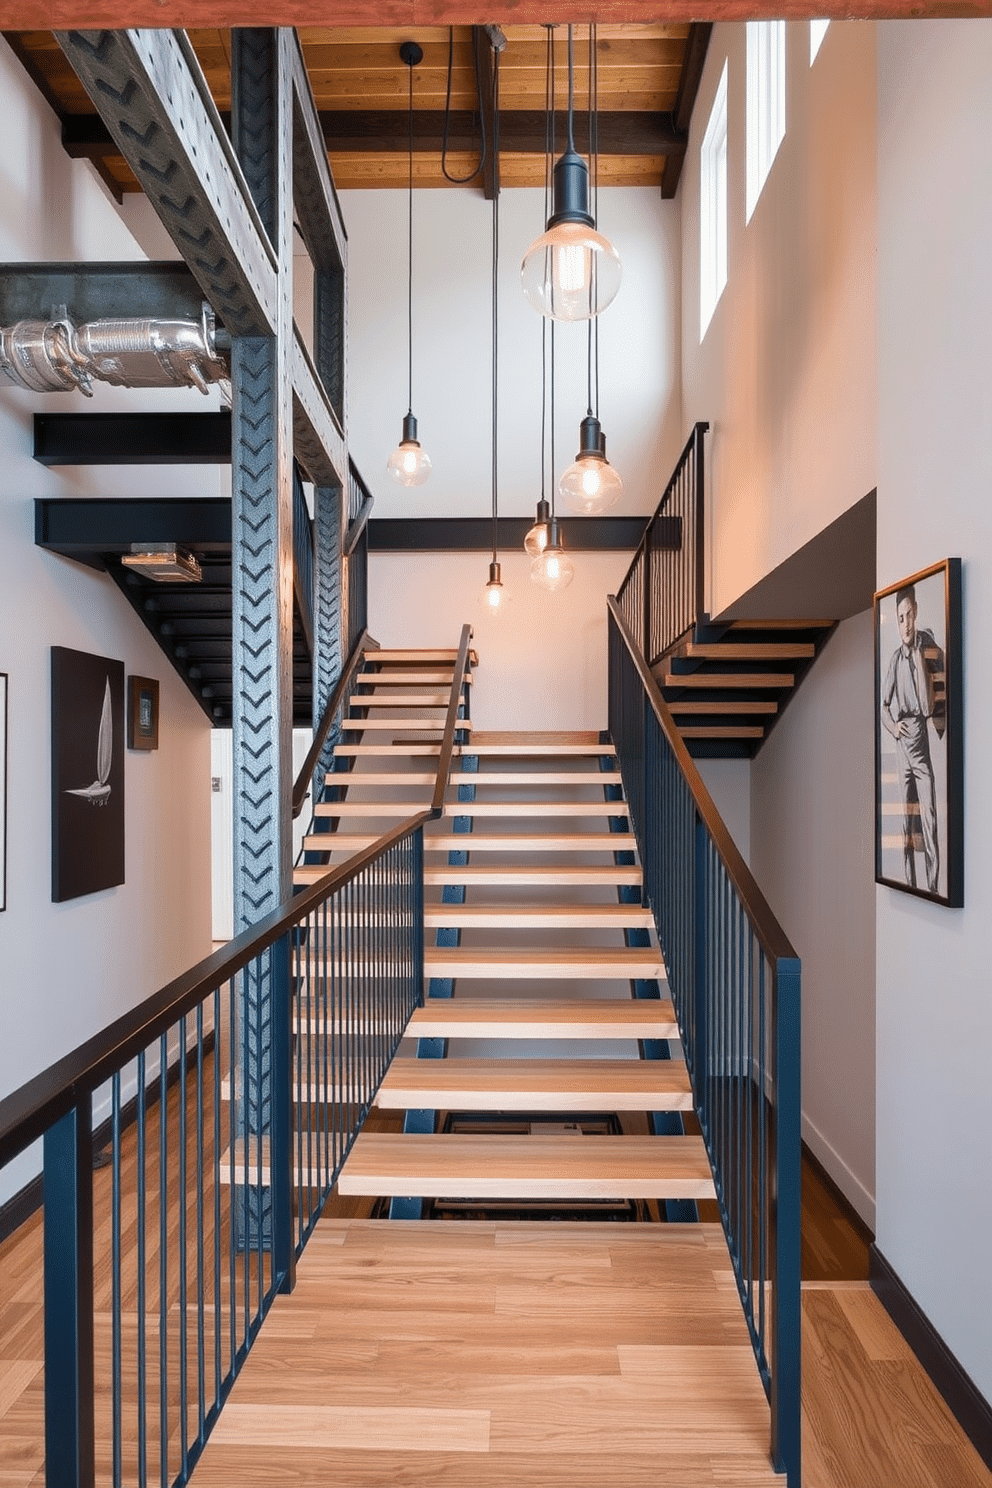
<point>385,130</point>
<point>49,15</point>
<point>696,46</point>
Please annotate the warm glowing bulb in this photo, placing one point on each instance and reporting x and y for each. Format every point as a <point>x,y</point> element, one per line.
<point>553,570</point>
<point>409,464</point>
<point>590,486</point>
<point>536,540</point>
<point>553,567</point>
<point>571,272</point>
<point>493,595</point>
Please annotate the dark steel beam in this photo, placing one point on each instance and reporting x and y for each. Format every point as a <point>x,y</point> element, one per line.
<point>474,534</point>
<point>373,131</point>
<point>696,46</point>
<point>90,291</point>
<point>132,438</point>
<point>483,58</point>
<point>91,526</point>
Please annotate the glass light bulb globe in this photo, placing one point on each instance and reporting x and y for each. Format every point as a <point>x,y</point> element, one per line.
<point>591,485</point>
<point>494,601</point>
<point>409,464</point>
<point>536,540</point>
<point>553,570</point>
<point>571,272</point>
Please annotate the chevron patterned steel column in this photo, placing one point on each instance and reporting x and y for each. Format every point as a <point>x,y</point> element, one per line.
<point>328,649</point>
<point>262,575</point>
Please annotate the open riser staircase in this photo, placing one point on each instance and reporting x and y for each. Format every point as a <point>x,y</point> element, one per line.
<point>536,944</point>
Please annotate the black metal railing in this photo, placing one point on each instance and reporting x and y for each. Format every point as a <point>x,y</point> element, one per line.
<point>735,984</point>
<point>663,595</point>
<point>333,713</point>
<point>230,1100</point>
<point>303,557</point>
<point>356,552</point>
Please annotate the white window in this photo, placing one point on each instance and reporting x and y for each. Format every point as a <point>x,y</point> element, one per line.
<point>765,102</point>
<point>817,31</point>
<point>713,208</point>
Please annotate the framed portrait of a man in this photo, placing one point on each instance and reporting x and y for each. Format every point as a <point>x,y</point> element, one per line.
<point>919,844</point>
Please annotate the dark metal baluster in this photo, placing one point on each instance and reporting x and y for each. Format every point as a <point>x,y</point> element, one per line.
<point>117,1469</point>
<point>141,1122</point>
<point>183,1320</point>
<point>201,1358</point>
<point>163,1259</point>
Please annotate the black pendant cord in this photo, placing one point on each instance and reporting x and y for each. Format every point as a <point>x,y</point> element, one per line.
<point>463,180</point>
<point>571,91</point>
<point>594,159</point>
<point>495,145</point>
<point>549,150</point>
<point>409,263</point>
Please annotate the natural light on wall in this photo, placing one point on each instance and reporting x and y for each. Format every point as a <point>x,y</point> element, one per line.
<point>713,208</point>
<point>817,31</point>
<point>765,102</point>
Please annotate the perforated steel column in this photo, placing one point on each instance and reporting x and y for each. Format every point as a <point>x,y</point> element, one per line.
<point>262,568</point>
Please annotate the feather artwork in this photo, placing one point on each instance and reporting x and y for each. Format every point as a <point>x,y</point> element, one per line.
<point>98,793</point>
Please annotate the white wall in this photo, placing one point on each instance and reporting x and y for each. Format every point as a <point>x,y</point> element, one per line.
<point>785,372</point>
<point>935,475</point>
<point>68,969</point>
<point>812,853</point>
<point>545,666</point>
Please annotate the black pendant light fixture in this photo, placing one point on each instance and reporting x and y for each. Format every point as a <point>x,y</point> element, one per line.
<point>591,485</point>
<point>409,464</point>
<point>494,596</point>
<point>571,272</point>
<point>552,569</point>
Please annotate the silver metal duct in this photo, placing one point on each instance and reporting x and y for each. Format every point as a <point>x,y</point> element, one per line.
<point>55,356</point>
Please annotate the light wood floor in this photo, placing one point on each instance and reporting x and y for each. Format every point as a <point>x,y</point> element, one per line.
<point>467,1353</point>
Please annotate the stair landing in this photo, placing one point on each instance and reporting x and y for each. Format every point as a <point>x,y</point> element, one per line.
<point>498,1354</point>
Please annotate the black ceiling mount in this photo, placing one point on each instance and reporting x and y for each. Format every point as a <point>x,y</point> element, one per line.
<point>411,53</point>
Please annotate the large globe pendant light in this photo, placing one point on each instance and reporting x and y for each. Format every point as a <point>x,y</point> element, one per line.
<point>571,272</point>
<point>409,464</point>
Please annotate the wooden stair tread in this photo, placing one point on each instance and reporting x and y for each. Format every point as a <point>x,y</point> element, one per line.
<point>378,751</point>
<point>476,842</point>
<point>519,874</point>
<point>536,777</point>
<point>536,1085</point>
<point>483,1166</point>
<point>709,705</point>
<point>712,731</point>
<point>415,655</point>
<point>414,700</point>
<point>511,1018</point>
<point>625,962</point>
<point>356,725</point>
<point>399,809</point>
<point>729,680</point>
<point>410,679</point>
<point>791,624</point>
<point>531,842</point>
<point>381,777</point>
<point>749,650</point>
<point>535,808</point>
<point>533,916</point>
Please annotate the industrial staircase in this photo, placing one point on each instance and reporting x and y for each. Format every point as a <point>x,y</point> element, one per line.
<point>527,1077</point>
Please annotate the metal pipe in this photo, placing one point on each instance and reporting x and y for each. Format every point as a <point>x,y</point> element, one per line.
<point>56,356</point>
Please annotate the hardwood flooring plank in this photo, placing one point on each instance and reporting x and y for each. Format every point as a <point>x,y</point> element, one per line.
<point>389,1428</point>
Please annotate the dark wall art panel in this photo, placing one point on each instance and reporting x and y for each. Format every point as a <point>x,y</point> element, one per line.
<point>87,773</point>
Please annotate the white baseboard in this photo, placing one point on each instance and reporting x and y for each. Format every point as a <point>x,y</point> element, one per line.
<point>854,1191</point>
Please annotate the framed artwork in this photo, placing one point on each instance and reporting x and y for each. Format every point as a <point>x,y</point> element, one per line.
<point>87,773</point>
<point>3,790</point>
<point>919,777</point>
<point>142,713</point>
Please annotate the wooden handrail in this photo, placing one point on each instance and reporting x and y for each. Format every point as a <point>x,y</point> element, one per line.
<point>450,725</point>
<point>767,929</point>
<point>302,785</point>
<point>357,526</point>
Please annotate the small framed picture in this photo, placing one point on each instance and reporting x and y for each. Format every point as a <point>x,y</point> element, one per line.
<point>919,776</point>
<point>142,713</point>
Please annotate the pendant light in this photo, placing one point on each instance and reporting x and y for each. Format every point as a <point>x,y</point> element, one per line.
<point>591,485</point>
<point>494,596</point>
<point>409,464</point>
<point>571,272</point>
<point>552,569</point>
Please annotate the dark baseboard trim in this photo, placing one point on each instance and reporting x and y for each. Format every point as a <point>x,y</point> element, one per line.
<point>30,1198</point>
<point>858,1225</point>
<point>962,1395</point>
